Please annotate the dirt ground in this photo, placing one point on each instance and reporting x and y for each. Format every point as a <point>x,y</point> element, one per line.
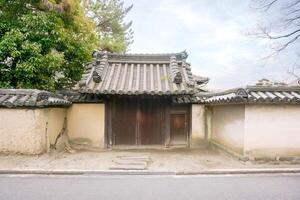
<point>151,159</point>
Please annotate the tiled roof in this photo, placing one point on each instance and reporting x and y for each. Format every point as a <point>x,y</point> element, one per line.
<point>186,99</point>
<point>253,94</point>
<point>77,97</point>
<point>134,74</point>
<point>12,98</point>
<point>250,94</point>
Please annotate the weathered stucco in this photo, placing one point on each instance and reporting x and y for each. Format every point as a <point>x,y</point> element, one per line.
<point>257,130</point>
<point>87,121</point>
<point>272,130</point>
<point>227,124</point>
<point>55,119</point>
<point>22,131</point>
<point>198,125</point>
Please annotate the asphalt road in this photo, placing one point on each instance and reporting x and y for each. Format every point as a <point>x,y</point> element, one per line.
<point>241,187</point>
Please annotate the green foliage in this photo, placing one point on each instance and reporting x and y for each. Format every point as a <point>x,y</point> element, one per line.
<point>114,34</point>
<point>44,44</point>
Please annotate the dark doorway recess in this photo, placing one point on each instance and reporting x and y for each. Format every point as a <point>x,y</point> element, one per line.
<point>178,128</point>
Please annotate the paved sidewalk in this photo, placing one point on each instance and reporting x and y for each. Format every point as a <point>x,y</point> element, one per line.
<point>180,161</point>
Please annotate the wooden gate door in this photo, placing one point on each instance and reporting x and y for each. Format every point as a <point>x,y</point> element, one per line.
<point>124,126</point>
<point>150,122</point>
<point>136,121</point>
<point>178,129</point>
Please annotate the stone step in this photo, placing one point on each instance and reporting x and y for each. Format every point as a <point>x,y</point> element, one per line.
<point>129,162</point>
<point>134,157</point>
<point>128,167</point>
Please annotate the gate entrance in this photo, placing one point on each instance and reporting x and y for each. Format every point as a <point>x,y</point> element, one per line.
<point>137,122</point>
<point>146,121</point>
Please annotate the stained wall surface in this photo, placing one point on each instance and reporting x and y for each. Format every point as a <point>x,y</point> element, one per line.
<point>87,121</point>
<point>198,125</point>
<point>272,130</point>
<point>227,126</point>
<point>22,131</point>
<point>55,120</point>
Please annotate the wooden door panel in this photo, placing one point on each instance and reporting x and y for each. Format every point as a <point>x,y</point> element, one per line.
<point>150,122</point>
<point>125,122</point>
<point>137,121</point>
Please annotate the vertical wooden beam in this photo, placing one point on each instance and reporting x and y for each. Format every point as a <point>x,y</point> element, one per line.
<point>138,121</point>
<point>108,122</point>
<point>189,128</point>
<point>112,122</point>
<point>167,118</point>
<point>106,115</point>
<point>163,121</point>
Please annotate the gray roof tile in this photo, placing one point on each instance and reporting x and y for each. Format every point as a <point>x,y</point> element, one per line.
<point>249,94</point>
<point>254,94</point>
<point>134,74</point>
<point>12,98</point>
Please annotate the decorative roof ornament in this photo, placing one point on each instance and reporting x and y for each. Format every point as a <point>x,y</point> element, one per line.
<point>42,96</point>
<point>96,77</point>
<point>183,55</point>
<point>95,53</point>
<point>100,63</point>
<point>176,74</point>
<point>241,92</point>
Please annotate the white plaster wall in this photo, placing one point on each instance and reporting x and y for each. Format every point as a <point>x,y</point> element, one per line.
<point>22,131</point>
<point>227,126</point>
<point>87,121</point>
<point>198,125</point>
<point>272,130</point>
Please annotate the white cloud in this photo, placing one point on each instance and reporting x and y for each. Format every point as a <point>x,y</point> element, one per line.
<point>213,34</point>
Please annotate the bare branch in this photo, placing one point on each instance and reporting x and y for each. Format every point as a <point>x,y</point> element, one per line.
<point>266,6</point>
<point>293,12</point>
<point>292,19</point>
<point>282,30</point>
<point>288,43</point>
<point>291,5</point>
<point>281,36</point>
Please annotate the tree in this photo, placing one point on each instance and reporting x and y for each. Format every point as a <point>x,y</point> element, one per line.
<point>281,25</point>
<point>114,34</point>
<point>44,44</point>
<point>283,29</point>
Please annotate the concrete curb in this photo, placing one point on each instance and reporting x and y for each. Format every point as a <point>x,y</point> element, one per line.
<point>85,172</point>
<point>139,172</point>
<point>241,171</point>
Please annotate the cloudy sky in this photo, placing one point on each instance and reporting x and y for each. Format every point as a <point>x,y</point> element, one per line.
<point>214,33</point>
